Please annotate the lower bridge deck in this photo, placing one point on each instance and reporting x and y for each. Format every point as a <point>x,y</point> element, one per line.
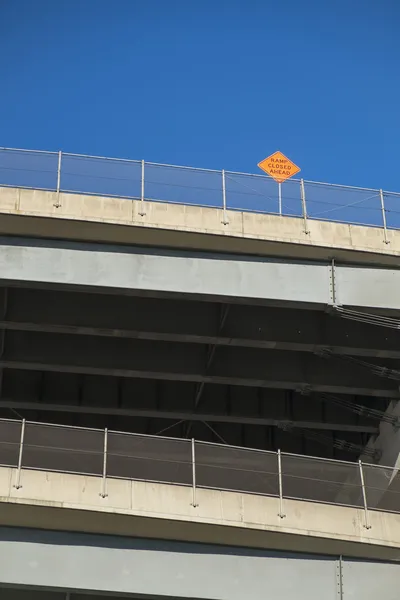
<point>61,566</point>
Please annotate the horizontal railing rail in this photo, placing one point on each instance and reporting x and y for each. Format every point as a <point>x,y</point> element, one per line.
<point>224,190</point>
<point>111,454</point>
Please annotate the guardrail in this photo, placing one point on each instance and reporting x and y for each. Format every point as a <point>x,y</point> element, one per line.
<point>111,454</point>
<point>226,190</point>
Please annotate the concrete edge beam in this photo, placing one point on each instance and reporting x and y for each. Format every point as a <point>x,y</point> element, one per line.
<point>65,502</point>
<point>115,220</point>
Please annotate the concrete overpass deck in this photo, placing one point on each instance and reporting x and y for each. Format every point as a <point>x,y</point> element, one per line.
<point>174,333</point>
<point>156,224</point>
<point>72,566</point>
<point>268,332</point>
<point>65,535</point>
<point>190,480</point>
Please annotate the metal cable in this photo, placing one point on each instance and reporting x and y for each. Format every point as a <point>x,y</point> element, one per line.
<point>338,443</point>
<point>368,318</point>
<point>377,370</point>
<point>257,193</point>
<point>360,409</point>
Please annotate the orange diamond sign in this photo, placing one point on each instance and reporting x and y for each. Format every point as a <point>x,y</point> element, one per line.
<point>279,167</point>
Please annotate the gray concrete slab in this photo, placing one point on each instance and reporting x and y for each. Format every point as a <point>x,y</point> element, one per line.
<point>213,276</point>
<point>116,220</point>
<point>110,564</point>
<point>198,275</point>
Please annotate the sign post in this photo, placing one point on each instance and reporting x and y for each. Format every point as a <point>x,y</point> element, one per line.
<point>280,168</point>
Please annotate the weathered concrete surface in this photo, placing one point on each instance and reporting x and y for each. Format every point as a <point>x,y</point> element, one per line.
<point>73,502</point>
<point>114,220</point>
<point>165,570</point>
<point>387,443</point>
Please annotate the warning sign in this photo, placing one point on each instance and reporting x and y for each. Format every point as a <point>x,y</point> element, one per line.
<point>279,167</point>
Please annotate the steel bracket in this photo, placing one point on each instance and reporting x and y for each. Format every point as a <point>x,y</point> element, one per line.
<point>333,284</point>
<point>339,579</point>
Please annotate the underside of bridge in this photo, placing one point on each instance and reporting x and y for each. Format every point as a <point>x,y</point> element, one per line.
<point>264,375</point>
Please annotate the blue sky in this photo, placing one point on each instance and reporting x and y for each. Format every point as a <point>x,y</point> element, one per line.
<point>215,84</point>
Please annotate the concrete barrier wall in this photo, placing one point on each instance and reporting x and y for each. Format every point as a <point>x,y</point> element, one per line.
<point>121,221</point>
<point>73,502</point>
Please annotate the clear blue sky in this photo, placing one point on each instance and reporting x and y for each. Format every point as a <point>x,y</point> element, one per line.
<point>217,84</point>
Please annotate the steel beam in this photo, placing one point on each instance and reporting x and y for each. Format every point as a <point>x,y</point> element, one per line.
<point>195,322</point>
<point>367,287</point>
<point>131,269</point>
<point>207,276</point>
<point>144,568</point>
<point>185,416</point>
<point>272,343</point>
<point>185,362</point>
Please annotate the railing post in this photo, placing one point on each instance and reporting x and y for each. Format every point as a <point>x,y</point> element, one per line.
<point>304,205</point>
<point>280,198</point>
<point>194,503</point>
<point>224,215</point>
<point>281,514</point>
<point>17,484</point>
<point>364,495</point>
<point>103,493</point>
<point>142,212</point>
<point>385,238</point>
<point>57,203</point>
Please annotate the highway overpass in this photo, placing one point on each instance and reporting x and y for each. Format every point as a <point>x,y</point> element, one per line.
<point>213,326</point>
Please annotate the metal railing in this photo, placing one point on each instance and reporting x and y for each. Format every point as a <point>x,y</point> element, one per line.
<point>226,190</point>
<point>111,454</point>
